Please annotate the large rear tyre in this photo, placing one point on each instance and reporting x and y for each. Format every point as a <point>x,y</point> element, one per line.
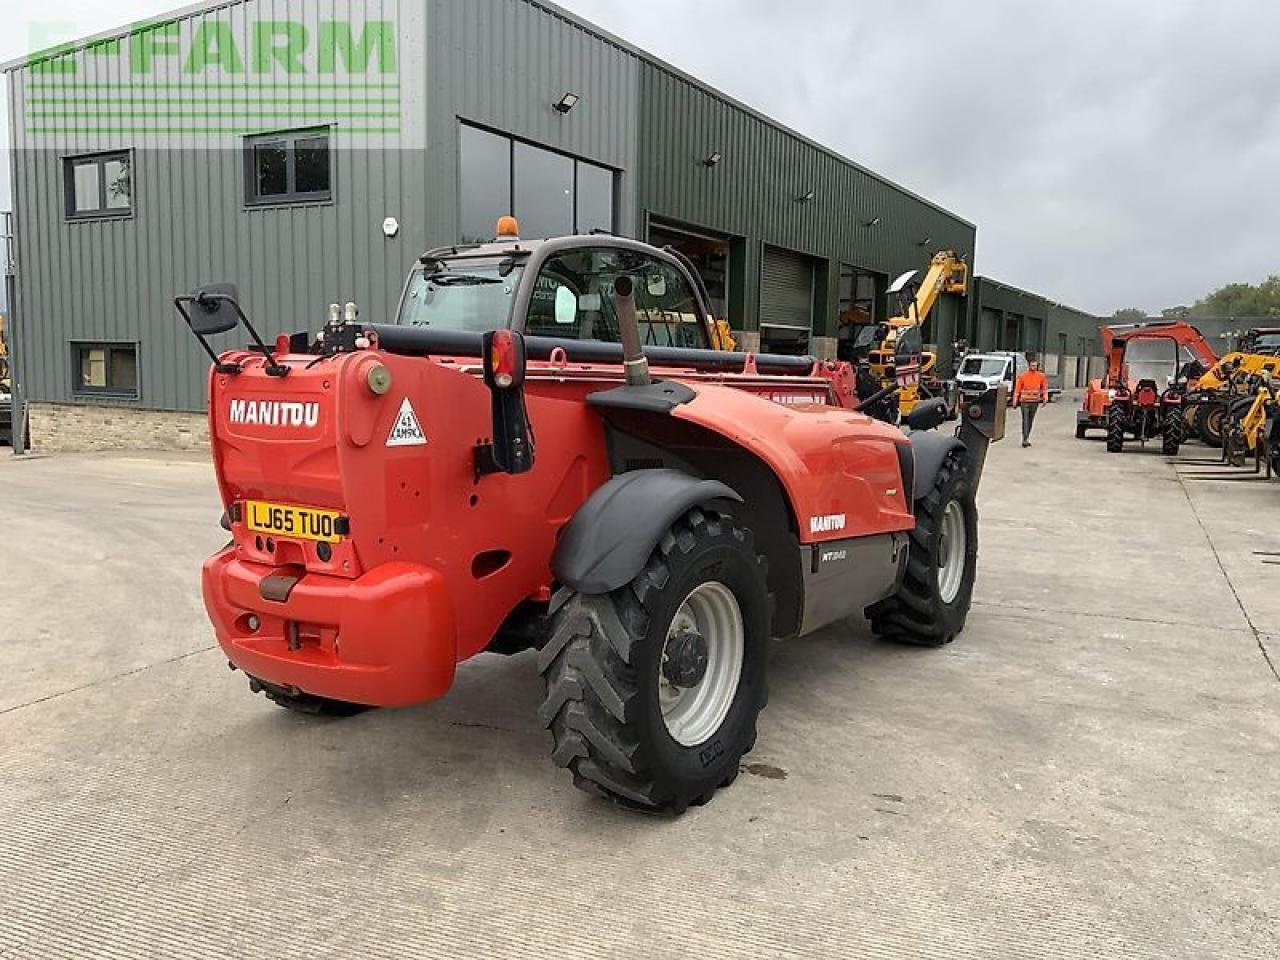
<point>653,690</point>
<point>305,703</point>
<point>1173,432</point>
<point>1080,429</point>
<point>1208,423</point>
<point>1115,429</point>
<point>932,604</point>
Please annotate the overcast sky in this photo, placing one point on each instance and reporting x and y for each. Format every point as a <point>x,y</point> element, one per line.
<point>1112,152</point>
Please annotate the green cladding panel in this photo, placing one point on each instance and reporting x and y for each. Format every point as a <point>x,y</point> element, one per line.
<point>774,187</point>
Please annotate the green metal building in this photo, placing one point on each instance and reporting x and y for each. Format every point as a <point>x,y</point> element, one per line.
<point>1004,317</point>
<point>311,157</point>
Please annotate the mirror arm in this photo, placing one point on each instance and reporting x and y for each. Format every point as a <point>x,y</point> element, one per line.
<point>228,368</point>
<point>273,369</point>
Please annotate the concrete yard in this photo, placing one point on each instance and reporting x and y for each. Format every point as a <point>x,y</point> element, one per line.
<point>1091,770</point>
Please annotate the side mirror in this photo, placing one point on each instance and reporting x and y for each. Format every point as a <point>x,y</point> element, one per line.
<point>566,306</point>
<point>927,414</point>
<point>213,309</point>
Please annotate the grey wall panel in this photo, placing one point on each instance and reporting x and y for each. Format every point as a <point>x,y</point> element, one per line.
<point>502,64</point>
<point>113,279</point>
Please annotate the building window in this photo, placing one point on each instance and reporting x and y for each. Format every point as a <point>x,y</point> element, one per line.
<point>105,369</point>
<point>98,186</point>
<point>544,196</point>
<point>551,194</point>
<point>291,167</point>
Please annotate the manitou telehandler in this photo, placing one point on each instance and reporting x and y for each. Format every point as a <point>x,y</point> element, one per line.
<point>510,468</point>
<point>1150,368</point>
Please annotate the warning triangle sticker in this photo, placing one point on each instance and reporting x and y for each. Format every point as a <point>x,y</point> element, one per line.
<point>406,432</point>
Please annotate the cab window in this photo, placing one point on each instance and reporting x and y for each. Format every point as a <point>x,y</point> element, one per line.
<point>910,343</point>
<point>573,299</point>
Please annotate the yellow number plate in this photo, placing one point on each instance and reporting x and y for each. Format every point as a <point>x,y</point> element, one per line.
<point>285,521</point>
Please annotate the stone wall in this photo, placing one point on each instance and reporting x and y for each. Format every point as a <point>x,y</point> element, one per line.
<point>81,426</point>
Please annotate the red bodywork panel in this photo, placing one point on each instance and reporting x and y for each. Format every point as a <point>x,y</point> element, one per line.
<point>835,465</point>
<point>436,558</point>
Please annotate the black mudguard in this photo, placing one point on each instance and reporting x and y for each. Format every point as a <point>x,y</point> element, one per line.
<point>930,451</point>
<point>610,538</point>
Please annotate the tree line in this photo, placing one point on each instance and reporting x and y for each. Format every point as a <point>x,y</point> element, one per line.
<point>1233,300</point>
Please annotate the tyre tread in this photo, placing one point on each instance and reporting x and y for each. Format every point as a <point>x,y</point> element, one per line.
<point>593,691</point>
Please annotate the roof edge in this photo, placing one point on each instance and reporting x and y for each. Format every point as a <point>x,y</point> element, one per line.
<point>1038,296</point>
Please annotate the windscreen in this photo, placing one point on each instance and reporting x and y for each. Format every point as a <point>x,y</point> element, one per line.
<point>468,296</point>
<point>984,366</point>
<point>1152,359</point>
<point>865,338</point>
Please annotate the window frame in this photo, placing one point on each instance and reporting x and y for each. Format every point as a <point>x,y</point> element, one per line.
<point>577,161</point>
<point>110,347</point>
<point>98,159</point>
<point>291,197</point>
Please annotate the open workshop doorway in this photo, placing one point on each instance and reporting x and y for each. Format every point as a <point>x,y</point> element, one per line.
<point>710,256</point>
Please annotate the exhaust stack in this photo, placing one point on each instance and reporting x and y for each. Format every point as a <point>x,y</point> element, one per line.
<point>634,362</point>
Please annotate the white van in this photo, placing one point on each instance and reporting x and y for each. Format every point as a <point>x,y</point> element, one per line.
<point>981,371</point>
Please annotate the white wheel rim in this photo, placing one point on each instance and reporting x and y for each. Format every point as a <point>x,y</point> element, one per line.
<point>952,548</point>
<point>693,714</point>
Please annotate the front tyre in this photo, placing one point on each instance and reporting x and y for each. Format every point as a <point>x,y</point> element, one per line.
<point>1115,429</point>
<point>1173,432</point>
<point>653,690</point>
<point>933,601</point>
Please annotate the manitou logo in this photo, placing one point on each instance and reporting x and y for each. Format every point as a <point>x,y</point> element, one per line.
<point>274,413</point>
<point>828,524</point>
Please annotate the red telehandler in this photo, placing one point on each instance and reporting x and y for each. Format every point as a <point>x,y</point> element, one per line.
<point>545,453</point>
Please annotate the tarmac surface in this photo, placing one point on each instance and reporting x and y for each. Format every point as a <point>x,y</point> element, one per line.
<point>1091,770</point>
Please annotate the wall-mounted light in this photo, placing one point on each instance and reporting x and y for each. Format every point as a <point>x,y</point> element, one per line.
<point>873,222</point>
<point>566,103</point>
<point>712,160</point>
<point>925,242</point>
<point>806,198</point>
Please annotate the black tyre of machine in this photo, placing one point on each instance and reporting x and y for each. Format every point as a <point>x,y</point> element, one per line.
<point>1115,428</point>
<point>626,672</point>
<point>933,601</point>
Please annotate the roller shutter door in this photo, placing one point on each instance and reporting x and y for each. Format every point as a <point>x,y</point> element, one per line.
<point>786,290</point>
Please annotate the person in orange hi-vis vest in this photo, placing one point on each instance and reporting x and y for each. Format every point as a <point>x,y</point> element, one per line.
<point>1030,390</point>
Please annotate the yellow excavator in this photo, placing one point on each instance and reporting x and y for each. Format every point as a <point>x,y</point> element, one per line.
<point>897,353</point>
